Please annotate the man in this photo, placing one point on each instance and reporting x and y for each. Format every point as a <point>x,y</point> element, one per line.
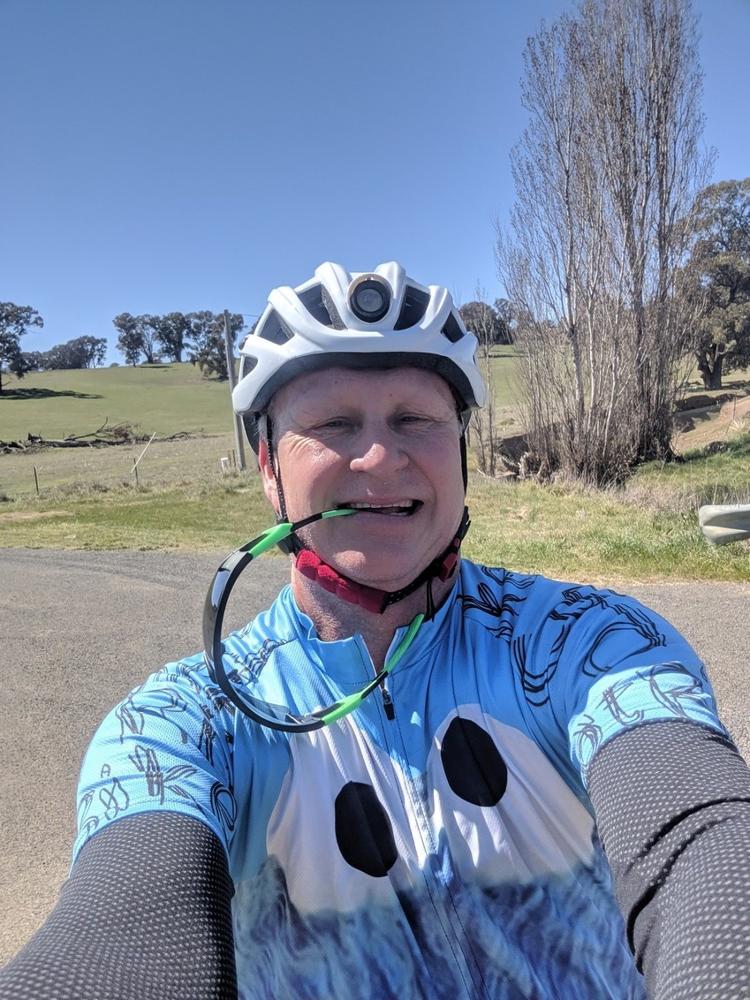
<point>531,752</point>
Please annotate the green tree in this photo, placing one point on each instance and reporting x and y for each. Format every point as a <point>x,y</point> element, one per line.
<point>482,318</point>
<point>14,323</point>
<point>171,332</point>
<point>83,352</point>
<point>719,269</point>
<point>130,340</point>
<point>207,341</point>
<point>33,361</point>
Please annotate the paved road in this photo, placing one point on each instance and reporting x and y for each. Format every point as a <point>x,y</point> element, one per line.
<point>80,629</point>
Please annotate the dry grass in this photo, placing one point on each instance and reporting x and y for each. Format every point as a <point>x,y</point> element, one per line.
<point>83,470</point>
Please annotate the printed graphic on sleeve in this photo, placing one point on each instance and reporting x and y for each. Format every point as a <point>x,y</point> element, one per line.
<point>626,626</point>
<point>158,749</point>
<point>638,695</point>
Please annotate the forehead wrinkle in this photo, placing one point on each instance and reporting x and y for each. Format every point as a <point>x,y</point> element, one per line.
<point>363,384</point>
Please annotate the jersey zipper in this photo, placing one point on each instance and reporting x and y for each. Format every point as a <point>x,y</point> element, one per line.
<point>390,711</point>
<point>443,902</point>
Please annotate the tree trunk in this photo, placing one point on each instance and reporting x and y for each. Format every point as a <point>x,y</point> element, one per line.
<point>714,381</point>
<point>711,369</point>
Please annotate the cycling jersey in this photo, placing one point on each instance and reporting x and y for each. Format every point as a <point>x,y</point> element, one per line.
<point>437,842</point>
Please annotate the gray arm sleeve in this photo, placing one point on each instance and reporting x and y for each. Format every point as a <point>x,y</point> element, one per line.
<point>145,914</point>
<point>672,805</point>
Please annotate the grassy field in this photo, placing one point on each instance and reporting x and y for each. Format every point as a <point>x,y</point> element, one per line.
<point>156,398</point>
<point>76,471</point>
<point>164,399</point>
<point>89,500</point>
<point>169,398</point>
<point>161,398</point>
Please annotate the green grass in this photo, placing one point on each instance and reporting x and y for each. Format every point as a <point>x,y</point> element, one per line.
<point>504,386</point>
<point>89,499</point>
<point>157,398</point>
<point>701,478</point>
<point>160,398</point>
<point>164,465</point>
<point>569,533</point>
<point>578,534</point>
<point>192,517</point>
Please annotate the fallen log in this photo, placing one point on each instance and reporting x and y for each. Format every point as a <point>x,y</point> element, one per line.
<point>100,438</point>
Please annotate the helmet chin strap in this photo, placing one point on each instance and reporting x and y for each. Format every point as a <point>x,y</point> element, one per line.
<point>311,566</point>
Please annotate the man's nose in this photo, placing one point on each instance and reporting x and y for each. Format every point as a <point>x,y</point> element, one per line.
<point>379,452</point>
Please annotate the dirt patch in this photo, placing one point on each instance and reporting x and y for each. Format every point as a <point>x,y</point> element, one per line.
<point>698,401</point>
<point>700,427</point>
<point>31,515</point>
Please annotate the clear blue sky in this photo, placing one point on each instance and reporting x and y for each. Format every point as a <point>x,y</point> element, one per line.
<point>164,155</point>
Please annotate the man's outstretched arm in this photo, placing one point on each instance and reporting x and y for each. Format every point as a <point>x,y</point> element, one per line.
<point>672,804</point>
<point>145,915</point>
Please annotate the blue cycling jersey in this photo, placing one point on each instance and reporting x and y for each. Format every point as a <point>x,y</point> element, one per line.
<point>446,851</point>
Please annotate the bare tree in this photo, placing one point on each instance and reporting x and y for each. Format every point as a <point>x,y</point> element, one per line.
<point>605,176</point>
<point>483,321</point>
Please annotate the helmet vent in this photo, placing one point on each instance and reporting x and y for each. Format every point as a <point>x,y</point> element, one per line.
<point>413,309</point>
<point>320,305</point>
<point>275,329</point>
<point>246,365</point>
<point>452,329</point>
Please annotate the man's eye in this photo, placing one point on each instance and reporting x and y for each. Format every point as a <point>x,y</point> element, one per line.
<point>335,423</point>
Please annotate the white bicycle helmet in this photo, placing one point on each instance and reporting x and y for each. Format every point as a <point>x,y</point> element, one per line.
<point>378,319</point>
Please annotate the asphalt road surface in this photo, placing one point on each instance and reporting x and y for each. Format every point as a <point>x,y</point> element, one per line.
<point>80,629</point>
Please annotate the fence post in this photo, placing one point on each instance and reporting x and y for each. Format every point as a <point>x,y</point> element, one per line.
<point>238,430</point>
<point>135,466</point>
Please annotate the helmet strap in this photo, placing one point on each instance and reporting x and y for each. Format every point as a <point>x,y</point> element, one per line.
<point>292,545</point>
<point>311,566</point>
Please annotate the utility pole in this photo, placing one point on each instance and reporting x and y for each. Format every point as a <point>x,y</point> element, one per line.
<point>238,429</point>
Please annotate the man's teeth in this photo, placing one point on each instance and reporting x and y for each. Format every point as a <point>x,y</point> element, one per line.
<point>380,506</point>
<point>401,509</point>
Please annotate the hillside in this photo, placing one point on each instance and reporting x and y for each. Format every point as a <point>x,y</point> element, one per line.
<point>168,398</point>
<point>161,398</point>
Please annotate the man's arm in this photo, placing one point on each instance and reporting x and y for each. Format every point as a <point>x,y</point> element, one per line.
<point>145,915</point>
<point>672,804</point>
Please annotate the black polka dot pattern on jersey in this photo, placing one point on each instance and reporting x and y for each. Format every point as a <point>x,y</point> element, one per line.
<point>363,830</point>
<point>473,766</point>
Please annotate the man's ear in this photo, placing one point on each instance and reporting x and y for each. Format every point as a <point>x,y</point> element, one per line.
<point>268,476</point>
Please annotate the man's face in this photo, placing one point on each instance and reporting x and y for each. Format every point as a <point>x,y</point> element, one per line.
<point>384,438</point>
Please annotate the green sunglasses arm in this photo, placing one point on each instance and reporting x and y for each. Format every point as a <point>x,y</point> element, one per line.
<point>347,705</point>
<point>281,531</point>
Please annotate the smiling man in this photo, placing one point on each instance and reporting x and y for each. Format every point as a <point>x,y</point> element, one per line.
<point>394,455</point>
<point>518,788</point>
